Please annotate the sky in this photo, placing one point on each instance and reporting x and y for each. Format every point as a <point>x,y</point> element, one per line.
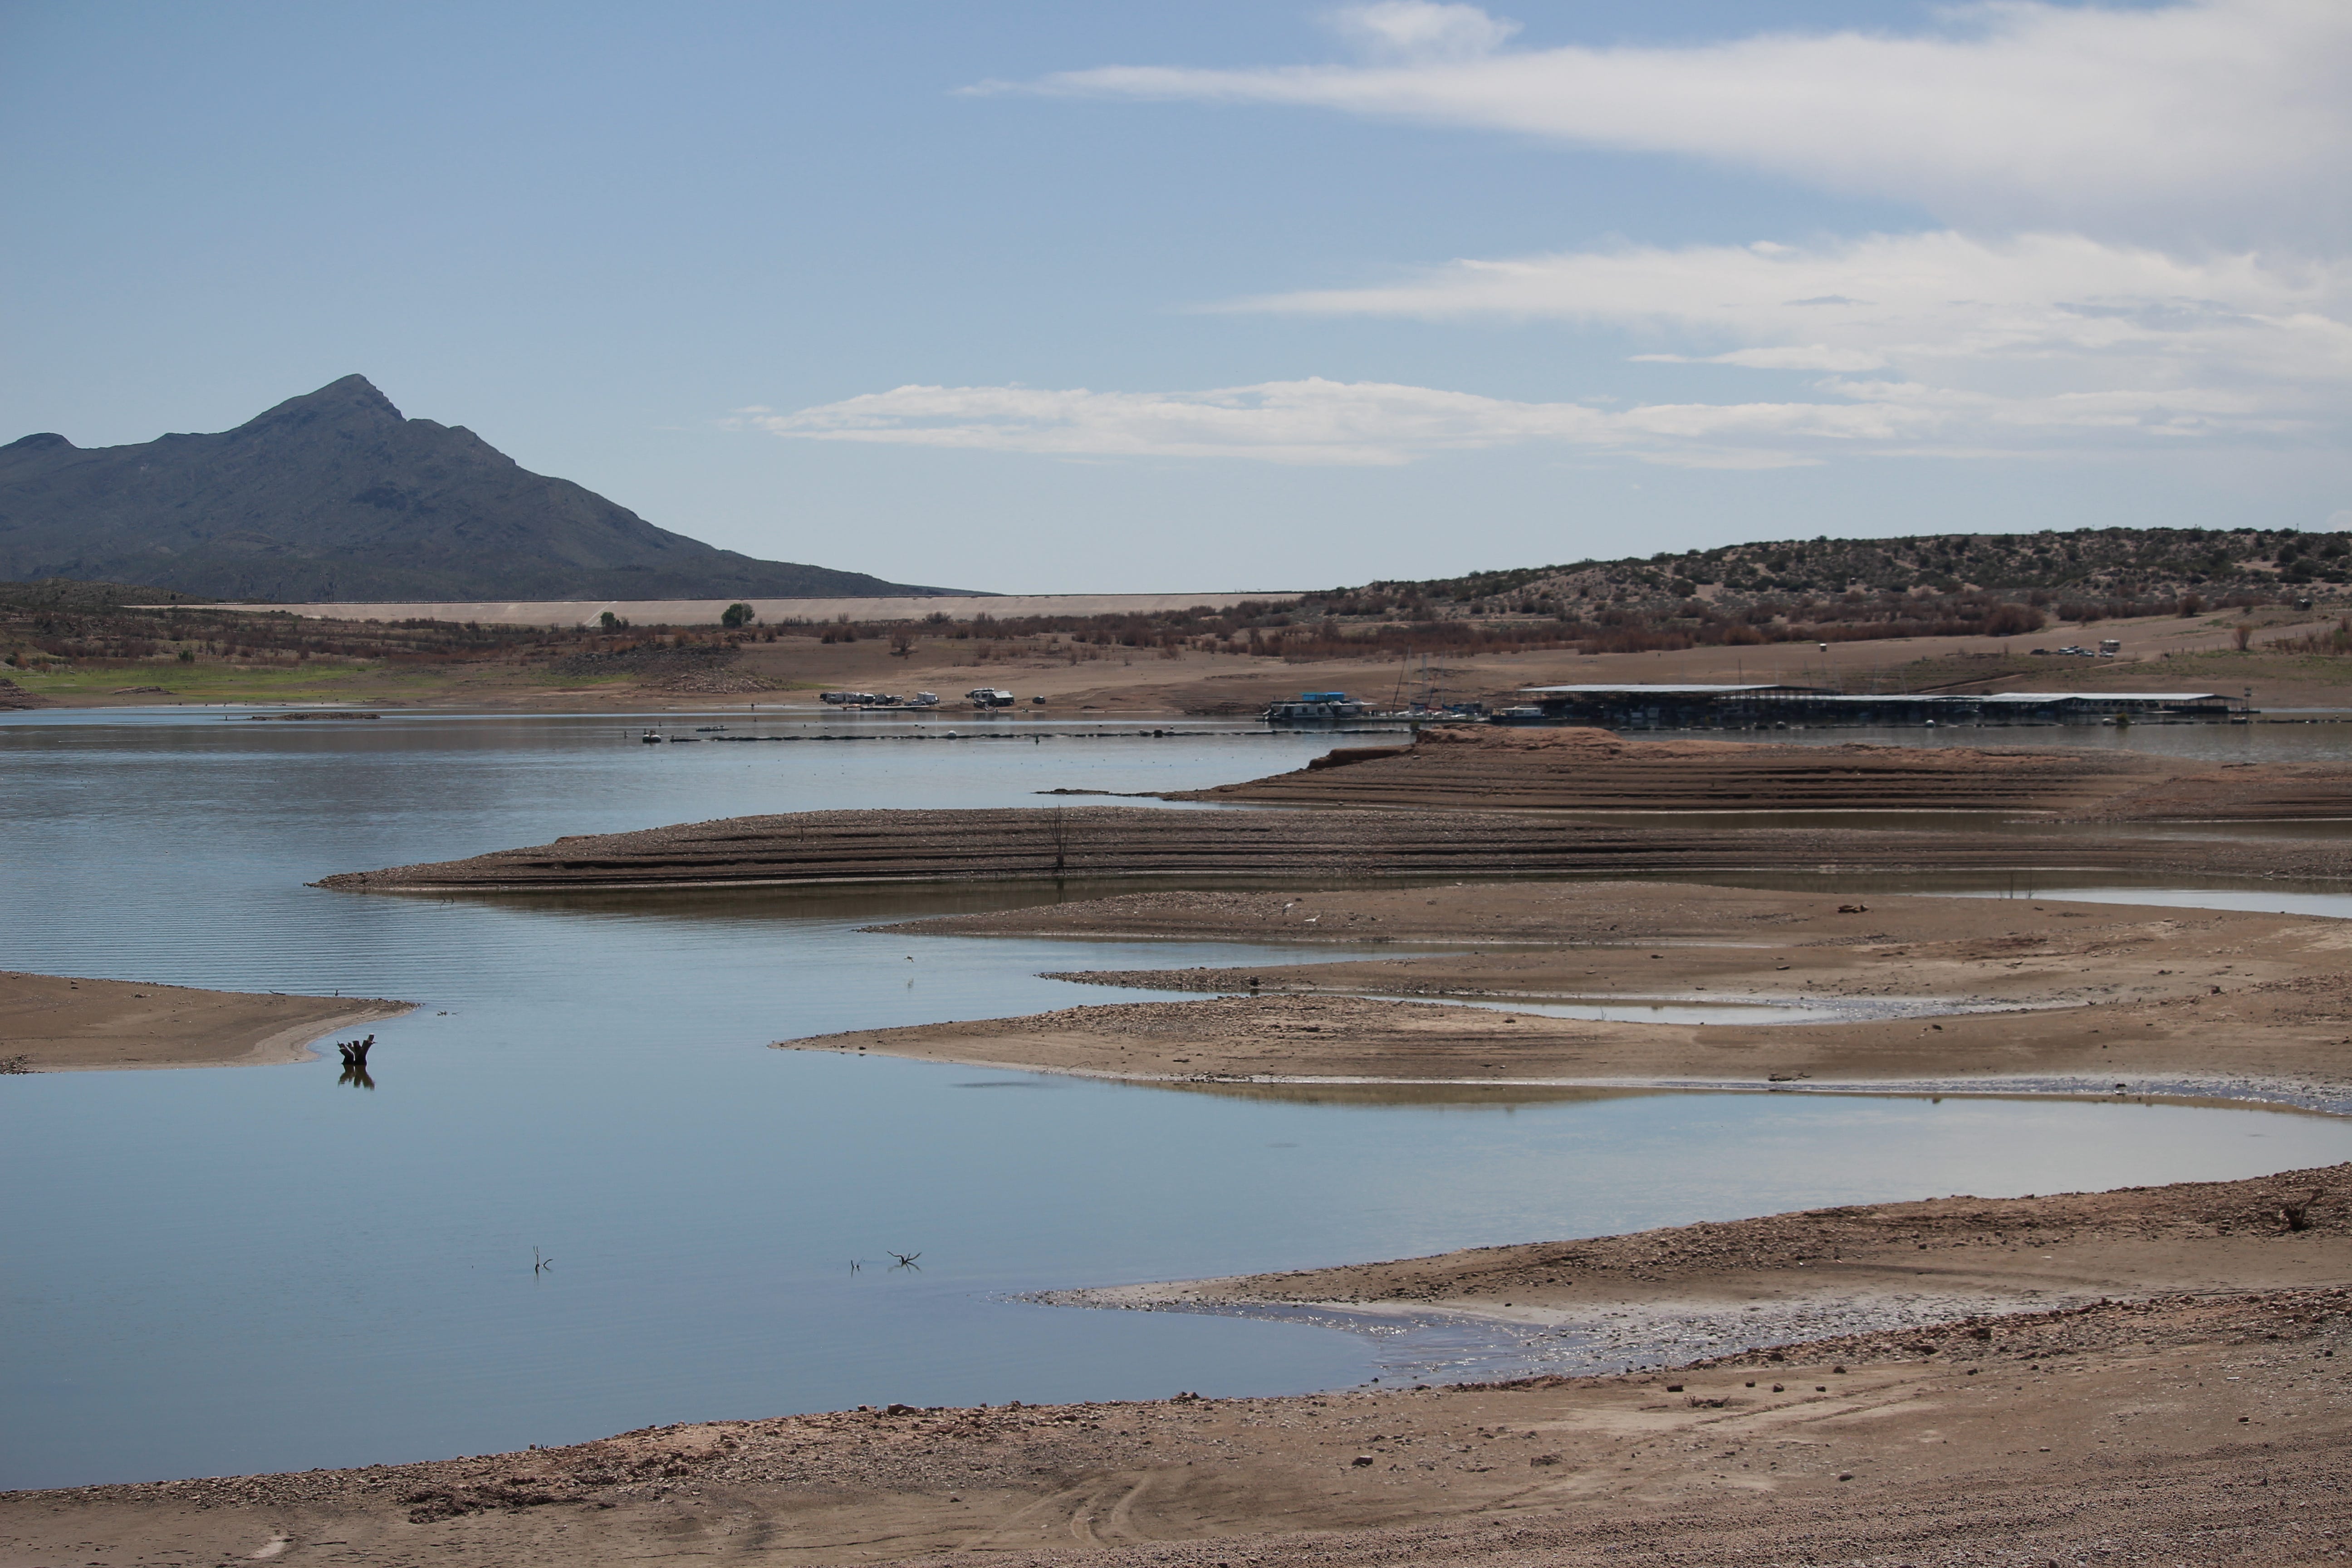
<point>1094,298</point>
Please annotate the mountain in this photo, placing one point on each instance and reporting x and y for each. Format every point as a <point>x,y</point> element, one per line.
<point>336,495</point>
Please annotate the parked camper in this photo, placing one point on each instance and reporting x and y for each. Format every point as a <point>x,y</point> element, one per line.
<point>990,696</point>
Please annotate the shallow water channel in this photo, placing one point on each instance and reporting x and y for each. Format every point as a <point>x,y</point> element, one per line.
<point>210,1271</point>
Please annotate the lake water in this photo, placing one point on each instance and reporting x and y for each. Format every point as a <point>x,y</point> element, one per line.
<point>212,1271</point>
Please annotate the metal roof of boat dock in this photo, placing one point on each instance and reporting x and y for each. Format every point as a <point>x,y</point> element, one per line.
<point>1694,689</point>
<point>2019,696</point>
<point>1662,691</point>
<point>2102,697</point>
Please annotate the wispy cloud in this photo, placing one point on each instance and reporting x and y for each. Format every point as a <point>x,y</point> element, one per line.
<point>2208,117</point>
<point>1912,344</point>
<point>2042,308</point>
<point>2140,208</point>
<point>1379,424</point>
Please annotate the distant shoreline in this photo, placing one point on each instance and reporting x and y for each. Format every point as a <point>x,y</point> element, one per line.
<point>564,613</point>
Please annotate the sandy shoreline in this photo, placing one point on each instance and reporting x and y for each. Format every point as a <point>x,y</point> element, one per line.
<point>60,1024</point>
<point>2148,1425</point>
<point>1961,994</point>
<point>1866,1268</point>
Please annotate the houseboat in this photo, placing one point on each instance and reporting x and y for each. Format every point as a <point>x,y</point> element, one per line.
<point>1316,708</point>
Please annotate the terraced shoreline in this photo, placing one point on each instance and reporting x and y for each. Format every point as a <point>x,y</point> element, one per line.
<point>1047,844</point>
<point>1587,770</point>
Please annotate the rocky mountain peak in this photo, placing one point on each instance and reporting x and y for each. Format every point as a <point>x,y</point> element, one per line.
<point>352,400</point>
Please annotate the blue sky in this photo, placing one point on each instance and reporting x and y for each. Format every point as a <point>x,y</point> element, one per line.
<point>1061,297</point>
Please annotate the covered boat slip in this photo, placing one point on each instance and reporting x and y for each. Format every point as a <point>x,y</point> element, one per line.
<point>1773,707</point>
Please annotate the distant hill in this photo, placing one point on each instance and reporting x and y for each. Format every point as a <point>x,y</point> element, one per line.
<point>335,496</point>
<point>2107,570</point>
<point>1824,590</point>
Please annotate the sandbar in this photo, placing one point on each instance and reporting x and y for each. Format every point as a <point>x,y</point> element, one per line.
<point>1995,994</point>
<point>52,1022</point>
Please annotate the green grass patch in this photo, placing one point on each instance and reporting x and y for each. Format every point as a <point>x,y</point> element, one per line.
<point>201,682</point>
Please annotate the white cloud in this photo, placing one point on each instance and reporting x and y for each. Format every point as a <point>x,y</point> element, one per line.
<point>1414,29</point>
<point>2042,311</point>
<point>2145,205</point>
<point>1939,297</point>
<point>1369,424</point>
<point>1811,356</point>
<point>2206,117</point>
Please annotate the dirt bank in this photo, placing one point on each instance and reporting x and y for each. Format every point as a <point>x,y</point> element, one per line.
<point>53,1024</point>
<point>1485,768</point>
<point>2208,1428</point>
<point>1863,1268</point>
<point>1290,846</point>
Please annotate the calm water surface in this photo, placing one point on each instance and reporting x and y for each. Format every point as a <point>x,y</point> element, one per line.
<point>209,1271</point>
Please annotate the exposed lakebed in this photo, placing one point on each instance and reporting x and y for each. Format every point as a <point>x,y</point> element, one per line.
<point>261,1268</point>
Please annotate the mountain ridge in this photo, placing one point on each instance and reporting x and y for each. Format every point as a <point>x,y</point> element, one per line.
<point>335,494</point>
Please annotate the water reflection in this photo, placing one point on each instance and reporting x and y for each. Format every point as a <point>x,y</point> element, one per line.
<point>355,1062</point>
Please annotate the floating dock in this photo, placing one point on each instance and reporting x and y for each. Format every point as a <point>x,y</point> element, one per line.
<point>1778,707</point>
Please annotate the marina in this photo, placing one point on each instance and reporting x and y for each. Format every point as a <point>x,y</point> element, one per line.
<point>1777,707</point>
